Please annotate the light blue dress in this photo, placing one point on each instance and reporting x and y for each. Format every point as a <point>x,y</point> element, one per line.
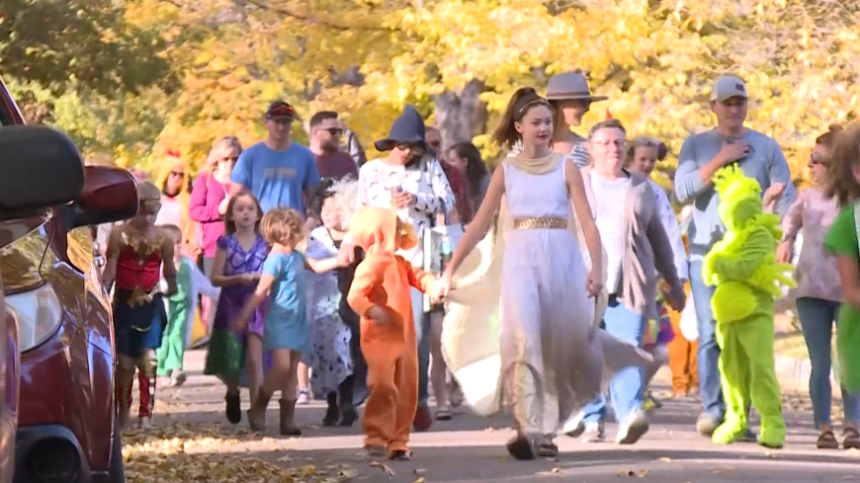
<point>286,325</point>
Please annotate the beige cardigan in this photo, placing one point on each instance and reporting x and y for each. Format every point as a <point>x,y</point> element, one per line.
<point>647,250</point>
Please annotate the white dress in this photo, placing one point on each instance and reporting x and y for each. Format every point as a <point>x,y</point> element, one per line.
<point>329,357</point>
<point>543,356</point>
<point>550,363</point>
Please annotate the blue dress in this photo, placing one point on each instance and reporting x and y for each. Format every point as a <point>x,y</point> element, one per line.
<point>286,325</point>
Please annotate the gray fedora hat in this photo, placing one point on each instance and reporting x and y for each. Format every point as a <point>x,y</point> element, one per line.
<point>570,86</point>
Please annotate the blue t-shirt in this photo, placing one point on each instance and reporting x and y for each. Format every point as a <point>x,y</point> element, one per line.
<point>277,178</point>
<point>286,320</point>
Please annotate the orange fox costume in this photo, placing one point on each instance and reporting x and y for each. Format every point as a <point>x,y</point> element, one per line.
<point>383,280</point>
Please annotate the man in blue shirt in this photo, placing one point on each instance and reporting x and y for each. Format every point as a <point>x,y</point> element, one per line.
<point>276,171</point>
<point>702,155</point>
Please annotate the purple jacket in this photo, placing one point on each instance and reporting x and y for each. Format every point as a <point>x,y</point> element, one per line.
<point>206,195</point>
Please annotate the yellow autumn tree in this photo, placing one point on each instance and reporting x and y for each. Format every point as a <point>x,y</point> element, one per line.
<point>459,60</point>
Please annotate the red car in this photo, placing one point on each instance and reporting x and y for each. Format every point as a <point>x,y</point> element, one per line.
<point>28,200</point>
<point>51,275</point>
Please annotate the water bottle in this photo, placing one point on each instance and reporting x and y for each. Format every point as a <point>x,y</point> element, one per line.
<point>445,252</point>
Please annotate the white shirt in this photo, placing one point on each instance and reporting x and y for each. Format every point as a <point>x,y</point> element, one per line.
<point>609,198</point>
<point>426,181</point>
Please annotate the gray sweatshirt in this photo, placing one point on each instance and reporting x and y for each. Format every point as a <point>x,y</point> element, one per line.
<point>766,163</point>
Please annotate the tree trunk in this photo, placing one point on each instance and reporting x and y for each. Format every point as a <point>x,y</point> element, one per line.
<point>461,115</point>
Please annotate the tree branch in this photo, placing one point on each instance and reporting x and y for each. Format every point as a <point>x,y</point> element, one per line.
<point>313,19</point>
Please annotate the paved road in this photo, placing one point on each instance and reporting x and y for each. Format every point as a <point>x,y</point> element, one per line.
<point>470,449</point>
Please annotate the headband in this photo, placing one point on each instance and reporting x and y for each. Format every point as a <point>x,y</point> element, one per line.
<point>526,102</point>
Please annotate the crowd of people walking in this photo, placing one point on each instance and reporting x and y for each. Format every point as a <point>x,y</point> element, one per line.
<point>326,276</point>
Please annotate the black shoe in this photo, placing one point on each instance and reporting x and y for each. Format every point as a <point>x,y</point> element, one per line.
<point>348,416</point>
<point>234,408</point>
<point>332,414</point>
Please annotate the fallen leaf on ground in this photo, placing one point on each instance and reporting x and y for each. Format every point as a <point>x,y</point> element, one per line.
<point>420,480</point>
<point>383,467</point>
<point>643,473</point>
<point>555,471</point>
<point>419,471</point>
<point>665,459</point>
<point>179,454</point>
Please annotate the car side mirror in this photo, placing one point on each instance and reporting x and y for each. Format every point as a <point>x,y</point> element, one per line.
<point>109,195</point>
<point>40,167</point>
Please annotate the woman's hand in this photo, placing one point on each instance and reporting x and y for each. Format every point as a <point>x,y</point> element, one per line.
<point>402,199</point>
<point>594,283</point>
<point>442,286</point>
<point>251,278</point>
<point>222,208</point>
<point>785,252</point>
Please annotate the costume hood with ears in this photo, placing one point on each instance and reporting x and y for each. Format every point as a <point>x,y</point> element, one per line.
<point>376,231</point>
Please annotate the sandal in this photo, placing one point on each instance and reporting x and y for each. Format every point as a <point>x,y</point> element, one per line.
<point>521,448</point>
<point>547,449</point>
<point>851,438</point>
<point>826,440</point>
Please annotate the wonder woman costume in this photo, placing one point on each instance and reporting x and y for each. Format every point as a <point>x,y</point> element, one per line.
<point>139,311</point>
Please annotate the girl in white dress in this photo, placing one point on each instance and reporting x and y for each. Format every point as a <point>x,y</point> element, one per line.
<point>551,355</point>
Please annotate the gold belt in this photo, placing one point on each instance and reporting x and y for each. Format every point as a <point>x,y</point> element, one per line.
<point>540,223</point>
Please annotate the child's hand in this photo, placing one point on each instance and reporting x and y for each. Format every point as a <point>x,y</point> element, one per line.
<point>441,287</point>
<point>346,255</point>
<point>594,283</point>
<point>677,299</point>
<point>171,288</point>
<point>379,315</point>
<point>241,322</point>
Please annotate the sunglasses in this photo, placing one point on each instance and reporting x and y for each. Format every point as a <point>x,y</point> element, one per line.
<point>409,146</point>
<point>178,174</point>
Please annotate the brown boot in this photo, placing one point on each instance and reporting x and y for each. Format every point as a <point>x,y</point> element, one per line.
<point>288,412</point>
<point>257,412</point>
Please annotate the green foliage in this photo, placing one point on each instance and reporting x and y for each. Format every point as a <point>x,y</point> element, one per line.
<point>87,42</point>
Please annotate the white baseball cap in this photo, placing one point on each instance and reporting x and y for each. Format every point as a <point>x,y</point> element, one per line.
<point>728,86</point>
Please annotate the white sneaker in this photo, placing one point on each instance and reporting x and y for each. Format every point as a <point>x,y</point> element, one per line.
<point>178,378</point>
<point>635,428</point>
<point>304,397</point>
<point>574,426</point>
<point>144,422</point>
<point>594,433</point>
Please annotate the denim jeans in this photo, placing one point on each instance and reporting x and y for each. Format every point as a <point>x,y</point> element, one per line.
<point>422,333</point>
<point>709,351</point>
<point>817,318</point>
<point>625,388</point>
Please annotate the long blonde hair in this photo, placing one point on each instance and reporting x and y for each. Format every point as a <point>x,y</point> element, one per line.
<point>219,147</point>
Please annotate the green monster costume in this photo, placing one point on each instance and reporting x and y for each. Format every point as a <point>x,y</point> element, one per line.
<point>744,269</point>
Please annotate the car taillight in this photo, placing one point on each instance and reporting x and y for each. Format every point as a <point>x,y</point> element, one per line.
<point>39,315</point>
